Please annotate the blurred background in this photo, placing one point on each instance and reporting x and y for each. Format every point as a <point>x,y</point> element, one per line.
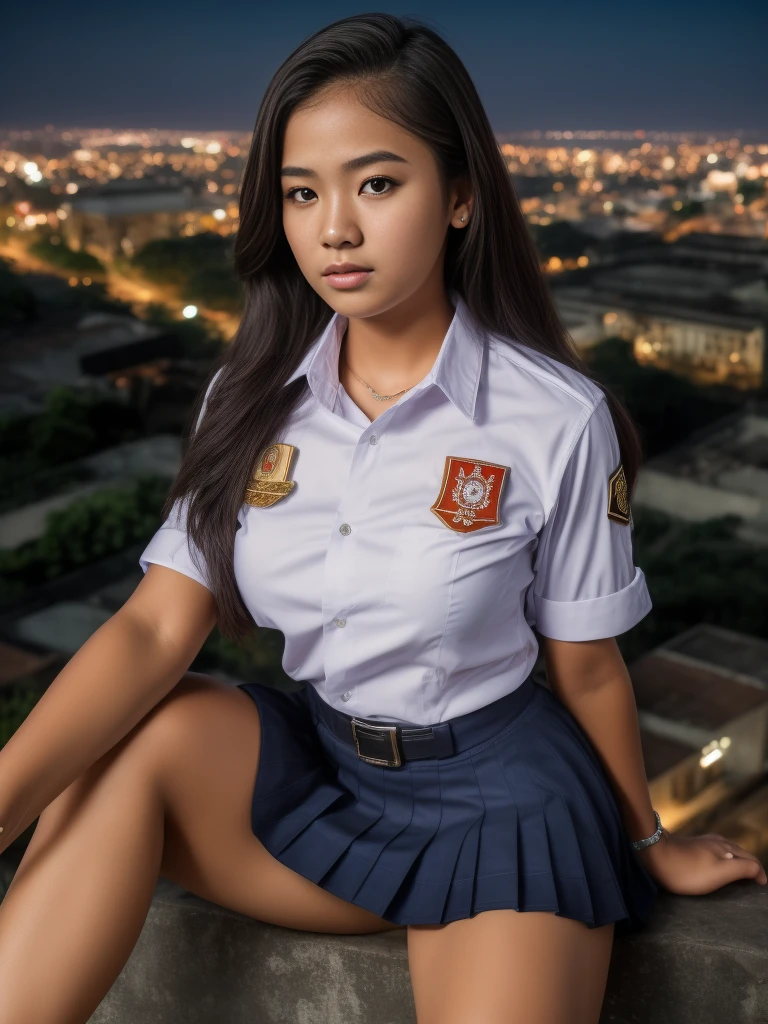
<point>637,141</point>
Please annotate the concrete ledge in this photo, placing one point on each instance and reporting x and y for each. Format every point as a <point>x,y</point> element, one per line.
<point>702,960</point>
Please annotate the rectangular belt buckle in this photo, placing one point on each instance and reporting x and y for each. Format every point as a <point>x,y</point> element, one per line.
<point>391,730</point>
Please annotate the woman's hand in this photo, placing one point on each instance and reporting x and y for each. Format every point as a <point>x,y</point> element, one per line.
<point>694,865</point>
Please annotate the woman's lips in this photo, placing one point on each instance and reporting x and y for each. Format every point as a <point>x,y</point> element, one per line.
<point>350,279</point>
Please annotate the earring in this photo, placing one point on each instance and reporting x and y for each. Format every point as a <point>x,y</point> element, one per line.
<point>463,219</point>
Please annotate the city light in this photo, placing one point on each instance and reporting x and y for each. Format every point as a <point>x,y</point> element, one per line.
<point>220,214</point>
<point>714,751</point>
<point>189,312</point>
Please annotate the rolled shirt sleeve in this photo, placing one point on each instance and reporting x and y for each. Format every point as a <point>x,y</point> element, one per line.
<point>586,586</point>
<point>171,545</point>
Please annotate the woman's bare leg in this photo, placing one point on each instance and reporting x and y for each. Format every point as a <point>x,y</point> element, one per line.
<point>505,967</point>
<point>173,797</point>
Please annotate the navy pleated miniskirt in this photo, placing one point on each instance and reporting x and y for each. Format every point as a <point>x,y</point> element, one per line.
<point>523,819</point>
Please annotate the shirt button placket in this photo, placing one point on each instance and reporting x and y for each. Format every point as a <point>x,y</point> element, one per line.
<point>345,530</point>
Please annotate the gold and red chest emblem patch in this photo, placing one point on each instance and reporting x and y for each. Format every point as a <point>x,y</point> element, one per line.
<point>470,493</point>
<point>269,482</point>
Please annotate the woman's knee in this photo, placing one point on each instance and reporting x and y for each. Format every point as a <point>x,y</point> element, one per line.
<point>181,716</point>
<point>202,726</point>
<point>148,748</point>
<point>149,756</point>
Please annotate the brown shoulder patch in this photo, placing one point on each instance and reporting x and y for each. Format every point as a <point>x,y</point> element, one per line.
<point>618,498</point>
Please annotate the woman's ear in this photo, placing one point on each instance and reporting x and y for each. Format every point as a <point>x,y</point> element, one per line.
<point>461,203</point>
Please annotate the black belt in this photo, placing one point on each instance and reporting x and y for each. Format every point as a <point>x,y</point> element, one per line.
<point>390,744</point>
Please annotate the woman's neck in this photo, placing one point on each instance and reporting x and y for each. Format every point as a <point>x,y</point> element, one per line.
<point>391,353</point>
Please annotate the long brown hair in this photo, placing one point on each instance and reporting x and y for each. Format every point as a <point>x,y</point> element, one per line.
<point>405,72</point>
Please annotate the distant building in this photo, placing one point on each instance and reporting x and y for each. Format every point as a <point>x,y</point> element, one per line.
<point>119,219</point>
<point>700,248</point>
<point>707,346</point>
<point>100,346</point>
<point>702,702</point>
<point>718,248</point>
<point>720,470</point>
<point>698,306</point>
<point>159,455</point>
<point>710,348</point>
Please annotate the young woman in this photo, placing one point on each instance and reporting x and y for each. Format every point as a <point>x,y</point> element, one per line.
<point>402,465</point>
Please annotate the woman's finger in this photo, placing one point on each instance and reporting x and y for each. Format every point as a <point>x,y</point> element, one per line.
<point>735,867</point>
<point>734,850</point>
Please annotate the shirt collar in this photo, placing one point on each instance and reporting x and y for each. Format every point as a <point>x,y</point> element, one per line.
<point>456,370</point>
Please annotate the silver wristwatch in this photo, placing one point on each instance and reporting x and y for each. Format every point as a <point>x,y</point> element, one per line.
<point>639,844</point>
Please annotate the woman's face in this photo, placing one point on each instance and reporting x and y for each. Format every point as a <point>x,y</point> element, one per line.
<point>386,213</point>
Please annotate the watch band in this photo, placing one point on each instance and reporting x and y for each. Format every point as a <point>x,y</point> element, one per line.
<point>639,844</point>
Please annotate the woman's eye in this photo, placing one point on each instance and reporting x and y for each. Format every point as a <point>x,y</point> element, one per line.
<point>292,193</point>
<point>378,184</point>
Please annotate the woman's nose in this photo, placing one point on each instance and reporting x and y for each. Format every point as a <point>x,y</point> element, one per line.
<point>339,225</point>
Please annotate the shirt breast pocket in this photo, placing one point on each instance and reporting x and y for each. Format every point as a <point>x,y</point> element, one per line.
<point>451,525</point>
<point>424,566</point>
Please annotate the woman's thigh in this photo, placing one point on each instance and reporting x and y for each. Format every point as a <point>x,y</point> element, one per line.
<point>505,967</point>
<point>203,740</point>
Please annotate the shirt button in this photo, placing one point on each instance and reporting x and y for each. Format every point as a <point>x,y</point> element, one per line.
<point>345,529</point>
<point>347,695</point>
<point>340,622</point>
<point>373,439</point>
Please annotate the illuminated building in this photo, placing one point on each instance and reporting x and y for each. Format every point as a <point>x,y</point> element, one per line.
<point>121,219</point>
<point>719,470</point>
<point>702,700</point>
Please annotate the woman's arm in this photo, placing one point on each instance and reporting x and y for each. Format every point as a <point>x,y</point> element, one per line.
<point>127,666</point>
<point>590,678</point>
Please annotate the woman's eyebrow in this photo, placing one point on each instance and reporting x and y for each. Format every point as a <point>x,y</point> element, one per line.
<point>351,165</point>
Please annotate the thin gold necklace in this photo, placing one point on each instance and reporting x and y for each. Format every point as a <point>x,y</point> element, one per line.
<point>376,395</point>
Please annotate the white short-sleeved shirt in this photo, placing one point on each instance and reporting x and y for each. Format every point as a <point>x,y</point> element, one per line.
<point>396,605</point>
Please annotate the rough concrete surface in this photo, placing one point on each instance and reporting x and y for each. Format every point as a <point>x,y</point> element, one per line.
<point>700,960</point>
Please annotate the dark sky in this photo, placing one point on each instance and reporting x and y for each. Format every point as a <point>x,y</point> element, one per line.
<point>561,64</point>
